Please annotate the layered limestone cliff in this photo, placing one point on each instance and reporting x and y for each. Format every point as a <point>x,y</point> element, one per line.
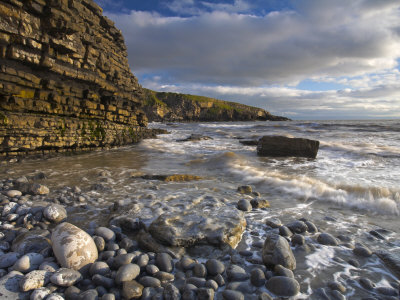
<point>162,106</point>
<point>65,81</point>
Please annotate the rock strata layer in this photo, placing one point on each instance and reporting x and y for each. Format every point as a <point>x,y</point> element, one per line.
<point>65,81</point>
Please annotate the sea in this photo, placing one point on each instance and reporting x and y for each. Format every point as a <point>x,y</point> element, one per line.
<point>349,190</point>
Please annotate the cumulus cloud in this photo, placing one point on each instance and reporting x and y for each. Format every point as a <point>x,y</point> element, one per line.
<point>228,47</point>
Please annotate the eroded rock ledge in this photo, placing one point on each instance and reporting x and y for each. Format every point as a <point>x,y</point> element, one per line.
<point>65,81</point>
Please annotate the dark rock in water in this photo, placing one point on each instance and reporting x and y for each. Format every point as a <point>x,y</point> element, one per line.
<point>281,146</point>
<point>249,142</point>
<point>245,189</point>
<point>244,205</point>
<point>277,251</point>
<point>298,239</point>
<point>311,227</point>
<point>205,294</point>
<point>362,250</point>
<point>377,234</point>
<point>284,231</point>
<point>367,284</point>
<point>282,271</point>
<point>171,292</point>
<point>259,203</point>
<point>273,222</point>
<point>127,223</point>
<point>297,226</point>
<point>172,178</point>
<point>194,138</point>
<point>327,239</point>
<point>391,260</point>
<point>218,227</point>
<point>283,286</point>
<point>387,291</point>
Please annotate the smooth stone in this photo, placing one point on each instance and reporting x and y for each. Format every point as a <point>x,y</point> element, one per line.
<point>211,284</point>
<point>236,273</point>
<point>107,234</point>
<point>127,273</point>
<point>9,208</point>
<point>65,277</point>
<point>215,267</point>
<point>257,277</point>
<point>152,269</point>
<point>55,213</point>
<point>171,293</point>
<point>219,280</point>
<point>297,226</point>
<point>333,285</point>
<point>148,281</point>
<point>283,286</point>
<point>282,271</point>
<point>273,222</point>
<point>354,263</point>
<point>232,295</point>
<point>9,259</point>
<point>90,294</point>
<point>100,243</point>
<point>387,291</point>
<point>164,276</point>
<point>336,295</point>
<point>13,193</point>
<point>284,231</point>
<point>311,227</point>
<point>362,250</point>
<point>327,239</point>
<point>148,293</point>
<point>245,189</point>
<point>56,296</point>
<point>108,297</point>
<point>49,266</point>
<point>277,251</point>
<point>164,262</point>
<point>34,280</point>
<point>103,281</point>
<point>39,189</point>
<point>143,260</point>
<point>28,262</point>
<point>199,270</point>
<point>123,259</point>
<point>73,247</point>
<point>205,294</point>
<point>33,241</point>
<point>196,281</point>
<point>244,205</point>
<point>367,284</point>
<point>259,203</point>
<point>187,263</point>
<point>264,296</point>
<point>99,267</point>
<point>9,286</point>
<point>243,287</point>
<point>40,293</point>
<point>298,239</point>
<point>72,293</point>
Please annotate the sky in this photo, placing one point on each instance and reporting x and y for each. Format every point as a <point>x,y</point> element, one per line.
<point>303,59</point>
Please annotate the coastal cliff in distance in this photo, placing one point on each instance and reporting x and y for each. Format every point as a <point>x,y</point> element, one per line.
<point>65,82</point>
<point>172,107</point>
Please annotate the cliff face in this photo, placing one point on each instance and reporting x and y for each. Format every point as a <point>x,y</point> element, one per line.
<point>65,81</point>
<point>160,106</point>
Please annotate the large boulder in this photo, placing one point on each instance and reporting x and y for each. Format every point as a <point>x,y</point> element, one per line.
<point>281,146</point>
<point>73,247</point>
<point>219,227</point>
<point>277,251</point>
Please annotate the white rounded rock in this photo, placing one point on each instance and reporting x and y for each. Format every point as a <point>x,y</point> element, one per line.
<point>55,213</point>
<point>73,247</point>
<point>28,262</point>
<point>13,193</point>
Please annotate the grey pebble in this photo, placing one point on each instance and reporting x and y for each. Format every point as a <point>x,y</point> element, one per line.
<point>232,295</point>
<point>214,267</point>
<point>199,270</point>
<point>148,281</point>
<point>327,239</point>
<point>65,277</point>
<point>244,205</point>
<point>107,234</point>
<point>257,277</point>
<point>101,280</point>
<point>99,267</point>
<point>236,273</point>
<point>127,273</point>
<point>164,262</point>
